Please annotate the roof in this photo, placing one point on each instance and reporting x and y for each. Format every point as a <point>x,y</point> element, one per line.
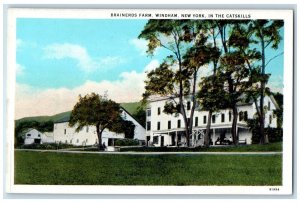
<point>242,101</point>
<point>67,118</point>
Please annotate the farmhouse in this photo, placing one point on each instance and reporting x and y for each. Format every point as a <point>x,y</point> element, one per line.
<point>34,136</point>
<point>168,130</point>
<point>63,133</point>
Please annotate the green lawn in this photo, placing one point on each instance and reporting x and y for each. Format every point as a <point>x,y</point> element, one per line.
<point>107,169</point>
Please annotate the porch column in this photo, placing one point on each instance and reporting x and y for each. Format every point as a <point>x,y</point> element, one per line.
<point>214,136</point>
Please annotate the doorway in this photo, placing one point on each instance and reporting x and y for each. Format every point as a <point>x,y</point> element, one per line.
<point>162,140</point>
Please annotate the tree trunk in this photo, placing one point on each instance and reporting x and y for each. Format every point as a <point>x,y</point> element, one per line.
<point>99,135</point>
<point>207,133</point>
<point>263,138</point>
<point>234,126</point>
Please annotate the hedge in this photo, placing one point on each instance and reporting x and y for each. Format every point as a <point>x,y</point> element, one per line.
<point>274,134</point>
<point>127,142</point>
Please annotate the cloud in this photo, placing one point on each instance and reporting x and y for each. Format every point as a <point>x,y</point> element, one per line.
<point>19,69</point>
<point>19,43</point>
<point>84,61</point>
<point>276,83</point>
<point>32,101</point>
<point>140,45</point>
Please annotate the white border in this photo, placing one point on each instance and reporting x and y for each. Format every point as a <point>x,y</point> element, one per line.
<point>285,189</point>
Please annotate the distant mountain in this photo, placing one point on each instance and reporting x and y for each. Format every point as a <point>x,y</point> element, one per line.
<point>130,107</point>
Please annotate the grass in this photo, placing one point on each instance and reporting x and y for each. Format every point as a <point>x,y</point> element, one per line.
<point>107,169</point>
<point>276,146</point>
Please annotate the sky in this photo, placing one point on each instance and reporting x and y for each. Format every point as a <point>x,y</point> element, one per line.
<point>58,59</point>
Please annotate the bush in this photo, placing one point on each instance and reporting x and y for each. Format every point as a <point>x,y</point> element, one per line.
<point>274,134</point>
<point>127,142</point>
<point>49,146</point>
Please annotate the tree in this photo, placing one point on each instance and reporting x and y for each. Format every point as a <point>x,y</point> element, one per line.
<point>235,76</point>
<point>278,112</point>
<point>266,33</point>
<point>97,111</point>
<point>176,77</point>
<point>23,126</point>
<point>210,92</point>
<point>223,89</point>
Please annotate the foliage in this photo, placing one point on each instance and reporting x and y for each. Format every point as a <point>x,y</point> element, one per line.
<point>177,76</point>
<point>273,147</point>
<point>127,142</point>
<point>274,134</point>
<point>279,112</point>
<point>23,126</point>
<point>265,33</point>
<point>128,128</point>
<point>140,115</point>
<point>47,146</point>
<point>93,109</point>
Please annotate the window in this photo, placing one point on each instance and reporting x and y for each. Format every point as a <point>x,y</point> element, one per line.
<point>77,141</point>
<point>148,125</point>
<point>87,129</point>
<point>229,116</point>
<point>155,140</point>
<point>178,123</point>
<point>241,116</point>
<point>196,121</point>
<point>86,140</point>
<point>66,141</point>
<point>158,125</point>
<point>188,105</point>
<point>269,106</point>
<point>158,111</point>
<point>70,141</point>
<point>39,135</point>
<point>270,119</point>
<point>148,112</point>
<point>188,121</point>
<point>65,131</point>
<point>213,118</point>
<point>245,115</point>
<point>223,118</point>
<point>169,124</point>
<point>28,135</point>
<point>204,119</point>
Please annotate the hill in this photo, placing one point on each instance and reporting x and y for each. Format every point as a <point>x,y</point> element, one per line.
<point>130,107</point>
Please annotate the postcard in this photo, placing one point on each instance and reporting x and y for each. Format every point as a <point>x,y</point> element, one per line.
<point>149,101</point>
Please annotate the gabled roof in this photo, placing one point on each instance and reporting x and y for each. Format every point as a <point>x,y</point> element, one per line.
<point>67,118</point>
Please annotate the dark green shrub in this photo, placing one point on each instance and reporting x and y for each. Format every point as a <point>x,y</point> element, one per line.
<point>274,134</point>
<point>127,142</point>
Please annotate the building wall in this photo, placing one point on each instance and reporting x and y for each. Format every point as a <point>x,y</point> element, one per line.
<point>139,131</point>
<point>46,137</point>
<point>158,122</point>
<point>88,135</point>
<point>31,135</point>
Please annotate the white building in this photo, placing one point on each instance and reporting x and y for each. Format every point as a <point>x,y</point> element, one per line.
<point>168,130</point>
<point>88,136</point>
<point>34,136</point>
